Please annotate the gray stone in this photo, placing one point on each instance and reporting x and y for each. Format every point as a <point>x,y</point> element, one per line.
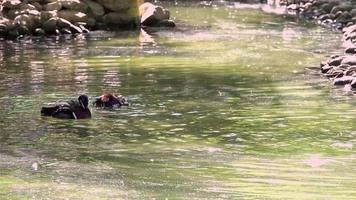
<point>11,4</point>
<point>46,15</point>
<point>116,5</point>
<point>335,61</point>
<point>151,14</point>
<point>73,16</point>
<point>50,26</point>
<point>74,5</point>
<point>350,60</point>
<point>53,6</point>
<point>166,23</point>
<point>95,9</point>
<point>39,32</point>
<point>118,19</point>
<point>343,80</point>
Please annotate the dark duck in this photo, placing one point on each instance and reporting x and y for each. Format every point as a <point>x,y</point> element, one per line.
<point>109,100</point>
<point>74,109</point>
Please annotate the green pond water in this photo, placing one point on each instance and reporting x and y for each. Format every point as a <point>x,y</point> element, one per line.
<point>229,105</point>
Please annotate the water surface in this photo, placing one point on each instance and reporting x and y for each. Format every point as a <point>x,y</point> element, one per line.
<point>229,105</point>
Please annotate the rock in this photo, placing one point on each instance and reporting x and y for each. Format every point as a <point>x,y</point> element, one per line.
<point>74,5</point>
<point>65,31</point>
<point>353,12</point>
<point>327,7</point>
<point>13,34</point>
<point>75,29</point>
<point>350,60</point>
<point>166,23</point>
<point>351,50</point>
<point>53,6</point>
<point>46,15</point>
<point>11,4</point>
<point>75,17</point>
<point>334,73</point>
<point>118,19</point>
<point>151,14</point>
<point>343,17</point>
<point>50,26</point>
<point>336,61</point>
<point>23,30</point>
<point>85,30</point>
<point>343,80</point>
<point>39,32</point>
<point>37,5</point>
<point>325,68</point>
<point>344,7</point>
<point>62,23</point>
<point>115,5</point>
<point>29,21</point>
<point>95,9</point>
<point>353,84</point>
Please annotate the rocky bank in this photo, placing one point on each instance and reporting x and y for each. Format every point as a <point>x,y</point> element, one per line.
<point>341,15</point>
<point>53,17</point>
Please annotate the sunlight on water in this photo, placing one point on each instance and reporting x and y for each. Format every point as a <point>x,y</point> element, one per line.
<point>229,105</point>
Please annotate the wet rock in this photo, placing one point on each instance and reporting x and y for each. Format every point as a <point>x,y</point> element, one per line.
<point>115,5</point>
<point>39,32</point>
<point>327,7</point>
<point>75,17</point>
<point>50,26</point>
<point>334,73</point>
<point>11,4</point>
<point>95,8</point>
<point>29,22</point>
<point>351,50</point>
<point>152,15</point>
<point>349,60</point>
<point>343,7</point>
<point>46,15</point>
<point>166,23</point>
<point>74,5</point>
<point>336,61</point>
<point>353,84</point>
<point>343,80</point>
<point>75,29</point>
<point>52,6</point>
<point>13,34</point>
<point>62,23</point>
<point>325,68</point>
<point>120,19</point>
<point>65,31</point>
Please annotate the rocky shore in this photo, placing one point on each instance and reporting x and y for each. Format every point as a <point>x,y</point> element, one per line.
<point>54,17</point>
<point>341,15</point>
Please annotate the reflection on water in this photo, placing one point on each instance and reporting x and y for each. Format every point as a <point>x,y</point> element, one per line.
<point>226,106</point>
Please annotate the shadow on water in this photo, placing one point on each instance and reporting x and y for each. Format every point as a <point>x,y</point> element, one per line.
<point>222,107</point>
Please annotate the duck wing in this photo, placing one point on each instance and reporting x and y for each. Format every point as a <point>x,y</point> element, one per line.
<point>64,112</point>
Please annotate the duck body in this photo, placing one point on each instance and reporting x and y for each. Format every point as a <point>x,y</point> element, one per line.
<point>69,110</point>
<point>110,101</point>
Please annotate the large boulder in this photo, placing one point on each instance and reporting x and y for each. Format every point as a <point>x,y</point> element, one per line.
<point>151,15</point>
<point>95,9</point>
<point>118,19</point>
<point>116,5</point>
<point>30,22</point>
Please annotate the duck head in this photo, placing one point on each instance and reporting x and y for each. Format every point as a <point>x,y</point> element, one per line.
<point>84,101</point>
